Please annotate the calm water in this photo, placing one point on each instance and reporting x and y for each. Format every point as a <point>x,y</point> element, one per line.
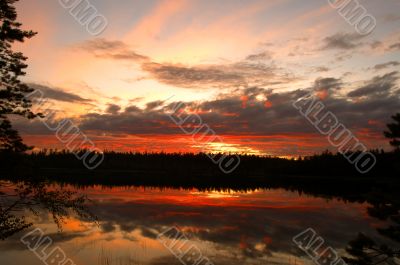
<point>228,227</point>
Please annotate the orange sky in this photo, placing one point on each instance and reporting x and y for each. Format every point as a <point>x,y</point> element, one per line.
<point>236,64</point>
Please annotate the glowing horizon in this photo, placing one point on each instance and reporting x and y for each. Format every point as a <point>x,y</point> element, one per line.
<point>236,64</point>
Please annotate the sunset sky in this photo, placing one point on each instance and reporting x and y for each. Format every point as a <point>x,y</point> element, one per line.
<point>238,64</point>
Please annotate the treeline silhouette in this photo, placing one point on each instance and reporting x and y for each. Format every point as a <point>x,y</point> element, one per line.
<point>187,168</point>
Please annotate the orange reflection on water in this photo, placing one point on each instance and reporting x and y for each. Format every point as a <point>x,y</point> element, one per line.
<point>258,198</point>
<point>253,226</point>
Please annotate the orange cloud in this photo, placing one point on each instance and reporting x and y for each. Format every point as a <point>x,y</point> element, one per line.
<point>152,24</point>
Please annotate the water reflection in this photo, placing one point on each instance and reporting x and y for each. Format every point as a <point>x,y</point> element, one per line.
<point>33,197</point>
<point>229,227</point>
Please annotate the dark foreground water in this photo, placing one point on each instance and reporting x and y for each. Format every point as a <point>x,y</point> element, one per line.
<point>227,227</point>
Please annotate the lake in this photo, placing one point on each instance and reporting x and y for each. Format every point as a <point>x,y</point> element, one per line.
<point>227,227</point>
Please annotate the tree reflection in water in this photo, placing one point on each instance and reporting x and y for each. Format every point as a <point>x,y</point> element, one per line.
<point>365,250</point>
<point>36,196</point>
<point>17,199</point>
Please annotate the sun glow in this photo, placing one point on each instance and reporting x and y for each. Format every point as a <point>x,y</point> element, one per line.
<point>221,147</point>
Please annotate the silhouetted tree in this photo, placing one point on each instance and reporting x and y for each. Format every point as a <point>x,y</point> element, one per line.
<point>394,132</point>
<point>10,140</point>
<point>365,250</point>
<point>13,92</point>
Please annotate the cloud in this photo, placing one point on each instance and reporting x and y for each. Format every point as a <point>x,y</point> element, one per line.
<point>265,112</point>
<point>107,227</point>
<point>379,85</point>
<point>150,26</point>
<point>343,41</point>
<point>320,69</point>
<point>254,119</point>
<point>392,17</point>
<point>233,75</point>
<point>59,95</point>
<point>395,47</point>
<point>376,44</point>
<point>154,104</point>
<point>250,72</point>
<point>113,109</point>
<point>193,77</point>
<point>251,112</point>
<point>116,50</point>
<point>132,109</point>
<point>386,65</point>
<point>342,56</point>
<point>259,56</point>
<point>329,83</point>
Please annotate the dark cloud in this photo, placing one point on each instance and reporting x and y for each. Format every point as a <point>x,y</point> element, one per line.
<point>220,76</point>
<point>113,109</point>
<point>132,109</point>
<point>192,77</point>
<point>116,50</point>
<point>328,83</point>
<point>343,56</point>
<point>379,85</point>
<point>137,99</point>
<point>264,112</point>
<point>320,69</point>
<point>103,45</point>
<point>107,227</point>
<point>259,56</point>
<point>154,104</point>
<point>131,122</point>
<point>395,47</point>
<point>58,94</point>
<point>250,111</point>
<point>250,72</point>
<point>386,65</point>
<point>376,44</point>
<point>343,41</point>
